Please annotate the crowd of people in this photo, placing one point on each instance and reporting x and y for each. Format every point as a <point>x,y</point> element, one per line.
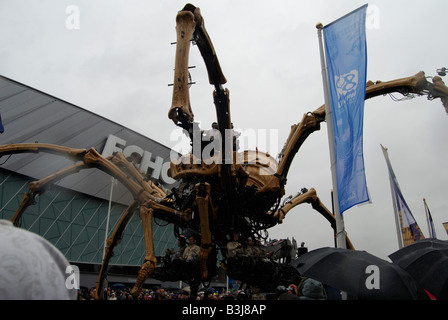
<point>307,289</point>
<point>125,294</point>
<point>235,248</point>
<point>171,294</point>
<point>51,259</point>
<point>249,248</point>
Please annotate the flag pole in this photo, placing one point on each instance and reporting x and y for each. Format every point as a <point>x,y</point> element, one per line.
<point>427,218</point>
<point>340,229</point>
<point>112,182</point>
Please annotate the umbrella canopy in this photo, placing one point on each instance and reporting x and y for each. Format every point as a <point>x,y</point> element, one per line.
<point>426,261</point>
<point>118,286</point>
<point>172,288</point>
<point>359,273</point>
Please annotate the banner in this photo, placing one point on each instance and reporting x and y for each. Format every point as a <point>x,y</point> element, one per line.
<point>431,228</point>
<point>410,231</point>
<point>346,57</point>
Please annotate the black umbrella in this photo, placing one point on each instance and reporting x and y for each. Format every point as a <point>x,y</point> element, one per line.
<point>359,273</point>
<point>118,286</point>
<point>172,288</point>
<point>426,261</point>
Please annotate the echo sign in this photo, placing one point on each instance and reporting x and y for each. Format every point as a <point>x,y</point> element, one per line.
<point>144,159</point>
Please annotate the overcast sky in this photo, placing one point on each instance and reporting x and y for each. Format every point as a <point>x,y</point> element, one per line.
<point>119,62</point>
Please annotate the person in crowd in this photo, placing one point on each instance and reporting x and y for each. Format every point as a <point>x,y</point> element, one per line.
<point>31,268</point>
<point>177,254</point>
<point>191,252</point>
<point>112,296</point>
<point>234,247</point>
<point>289,293</point>
<point>262,253</point>
<point>310,289</point>
<point>257,295</point>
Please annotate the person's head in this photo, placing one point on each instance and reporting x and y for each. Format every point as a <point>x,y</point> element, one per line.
<point>312,289</point>
<point>33,268</point>
<point>191,240</point>
<point>181,242</point>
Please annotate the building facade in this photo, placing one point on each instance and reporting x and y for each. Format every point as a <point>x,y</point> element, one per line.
<point>79,212</point>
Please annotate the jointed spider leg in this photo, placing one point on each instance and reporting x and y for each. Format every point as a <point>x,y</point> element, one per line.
<point>113,241</point>
<point>308,196</point>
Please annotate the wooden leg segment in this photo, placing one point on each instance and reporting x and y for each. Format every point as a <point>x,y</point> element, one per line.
<point>27,200</point>
<point>202,200</point>
<point>308,196</point>
<point>150,262</point>
<point>113,241</point>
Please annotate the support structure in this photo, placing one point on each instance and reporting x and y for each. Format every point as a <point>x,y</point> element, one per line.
<point>227,197</point>
<point>202,200</point>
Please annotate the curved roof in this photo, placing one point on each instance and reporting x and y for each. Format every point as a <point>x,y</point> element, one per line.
<point>29,115</point>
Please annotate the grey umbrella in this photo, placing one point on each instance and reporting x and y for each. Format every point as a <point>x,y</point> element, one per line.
<point>359,273</point>
<point>426,261</point>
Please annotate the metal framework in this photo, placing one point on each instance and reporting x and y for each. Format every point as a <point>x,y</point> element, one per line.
<point>233,193</point>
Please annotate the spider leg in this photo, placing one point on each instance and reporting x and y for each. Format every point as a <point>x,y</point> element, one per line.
<point>38,187</point>
<point>76,154</point>
<point>10,149</point>
<point>150,262</point>
<point>147,196</point>
<point>308,196</point>
<point>113,241</point>
<point>27,200</point>
<point>416,84</point>
<point>180,111</point>
<point>120,160</point>
<point>299,133</point>
<point>202,200</point>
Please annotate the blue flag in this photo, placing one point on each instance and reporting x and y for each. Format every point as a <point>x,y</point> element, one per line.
<point>346,56</point>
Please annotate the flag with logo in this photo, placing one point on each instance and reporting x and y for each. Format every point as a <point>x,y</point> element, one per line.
<point>410,231</point>
<point>346,57</point>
